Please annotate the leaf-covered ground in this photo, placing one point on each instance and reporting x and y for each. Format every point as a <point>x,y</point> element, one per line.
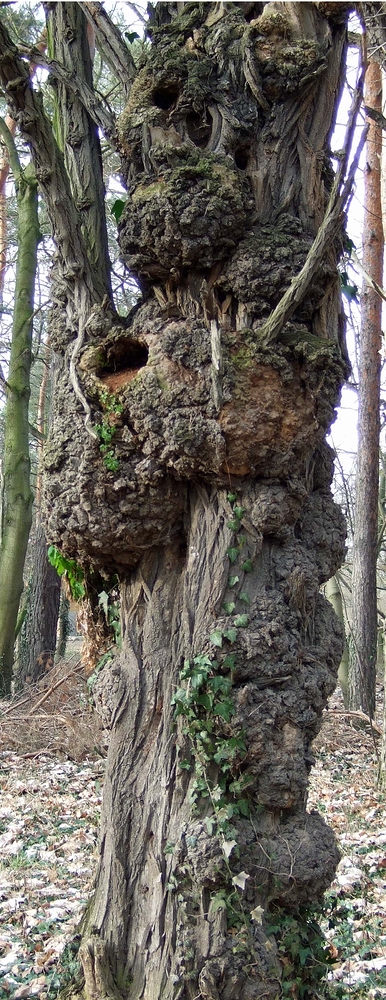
<point>49,813</point>
<point>343,789</point>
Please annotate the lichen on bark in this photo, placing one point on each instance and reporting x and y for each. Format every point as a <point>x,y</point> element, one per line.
<point>224,146</point>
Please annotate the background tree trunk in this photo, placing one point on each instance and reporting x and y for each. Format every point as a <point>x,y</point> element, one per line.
<point>363,649</point>
<point>17,495</point>
<point>37,638</point>
<point>334,595</point>
<point>37,641</point>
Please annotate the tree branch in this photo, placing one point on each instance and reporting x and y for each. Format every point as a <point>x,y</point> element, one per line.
<point>26,107</point>
<point>111,45</point>
<point>340,192</point>
<point>13,155</point>
<point>100,115</point>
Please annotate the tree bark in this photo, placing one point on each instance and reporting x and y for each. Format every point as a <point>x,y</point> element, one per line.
<point>334,595</point>
<point>37,640</point>
<point>187,455</point>
<point>363,654</point>
<point>17,494</point>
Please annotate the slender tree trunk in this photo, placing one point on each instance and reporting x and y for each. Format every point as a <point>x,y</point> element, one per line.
<point>17,500</point>
<point>37,641</point>
<point>365,546</point>
<point>4,174</point>
<point>334,595</point>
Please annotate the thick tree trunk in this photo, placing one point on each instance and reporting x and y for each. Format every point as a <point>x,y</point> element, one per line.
<point>168,915</point>
<point>213,503</point>
<point>363,652</point>
<point>187,455</point>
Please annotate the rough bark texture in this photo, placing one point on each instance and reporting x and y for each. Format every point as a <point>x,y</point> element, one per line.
<point>363,655</point>
<point>17,494</point>
<point>192,462</point>
<point>37,642</point>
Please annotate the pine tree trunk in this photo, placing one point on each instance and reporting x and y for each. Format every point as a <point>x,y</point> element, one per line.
<point>363,651</point>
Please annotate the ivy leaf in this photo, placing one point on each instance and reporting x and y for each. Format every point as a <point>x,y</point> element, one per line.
<point>103,602</point>
<point>186,670</point>
<point>228,846</point>
<point>232,554</point>
<point>217,903</point>
<point>185,765</point>
<point>198,677</point>
<point>238,512</point>
<point>257,914</point>
<point>232,580</point>
<point>240,621</point>
<point>131,36</point>
<point>229,607</point>
<point>244,597</point>
<point>230,634</point>
<point>233,525</point>
<point>241,880</point>
<point>216,638</point>
<point>247,566</point>
<point>220,683</point>
<point>210,824</point>
<point>231,497</point>
<point>230,660</point>
<point>225,709</point>
<point>206,701</point>
<point>117,209</point>
<point>179,696</point>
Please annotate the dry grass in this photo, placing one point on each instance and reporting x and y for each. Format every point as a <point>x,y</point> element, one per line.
<point>53,715</point>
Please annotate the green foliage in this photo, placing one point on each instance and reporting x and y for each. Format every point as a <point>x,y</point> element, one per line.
<point>302,950</point>
<point>107,429</point>
<point>117,208</point>
<point>204,700</point>
<point>108,600</point>
<point>68,973</point>
<point>70,569</point>
<point>350,291</point>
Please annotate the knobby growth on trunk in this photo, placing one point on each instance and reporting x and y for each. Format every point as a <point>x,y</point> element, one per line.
<point>187,455</point>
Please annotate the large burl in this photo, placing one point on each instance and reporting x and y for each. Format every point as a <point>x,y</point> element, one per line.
<point>223,153</point>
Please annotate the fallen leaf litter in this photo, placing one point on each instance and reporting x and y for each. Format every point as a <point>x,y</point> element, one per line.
<point>49,818</point>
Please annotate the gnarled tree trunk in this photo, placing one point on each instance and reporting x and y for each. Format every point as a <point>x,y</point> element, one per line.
<point>187,455</point>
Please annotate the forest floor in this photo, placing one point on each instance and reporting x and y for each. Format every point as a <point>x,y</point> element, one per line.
<point>51,775</point>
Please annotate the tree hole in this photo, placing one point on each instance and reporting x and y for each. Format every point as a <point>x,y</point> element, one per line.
<point>251,10</point>
<point>241,158</point>
<point>125,355</point>
<point>165,97</point>
<point>199,128</point>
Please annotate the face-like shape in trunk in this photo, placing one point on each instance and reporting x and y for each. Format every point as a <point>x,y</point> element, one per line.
<point>219,160</point>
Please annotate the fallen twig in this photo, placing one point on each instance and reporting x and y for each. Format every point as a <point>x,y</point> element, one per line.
<point>357,715</point>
